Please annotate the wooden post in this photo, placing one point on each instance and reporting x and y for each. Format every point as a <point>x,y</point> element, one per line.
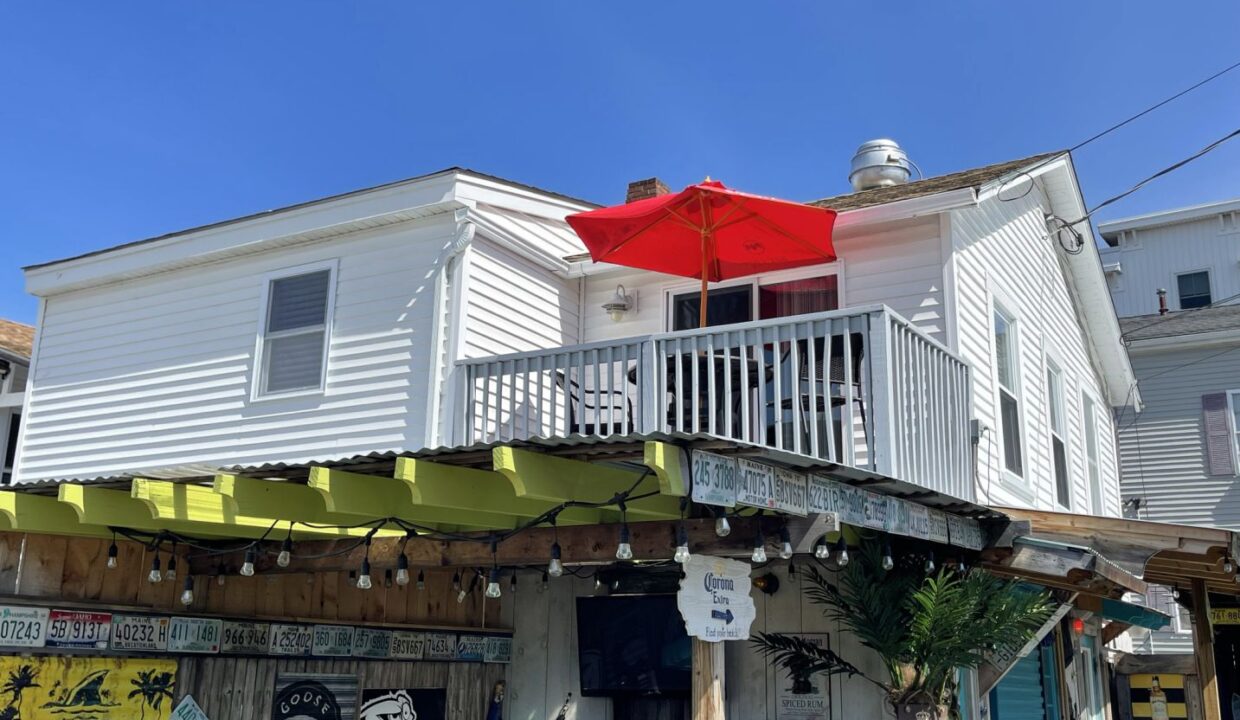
<point>1203,648</point>
<point>708,680</point>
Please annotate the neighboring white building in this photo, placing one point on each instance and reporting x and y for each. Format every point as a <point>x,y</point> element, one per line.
<point>1193,253</point>
<point>16,340</point>
<point>1180,456</point>
<point>455,308</point>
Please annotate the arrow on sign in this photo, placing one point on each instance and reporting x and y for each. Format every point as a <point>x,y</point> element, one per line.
<point>726,616</point>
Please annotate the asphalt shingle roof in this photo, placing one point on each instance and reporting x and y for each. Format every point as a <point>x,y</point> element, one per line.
<point>975,177</point>
<point>1184,322</point>
<point>16,337</point>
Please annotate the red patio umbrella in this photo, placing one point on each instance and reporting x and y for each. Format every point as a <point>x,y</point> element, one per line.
<point>708,231</point>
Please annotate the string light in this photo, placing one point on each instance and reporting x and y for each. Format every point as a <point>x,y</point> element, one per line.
<point>598,582</point>
<point>456,581</point>
<point>493,589</point>
<point>473,585</point>
<point>682,545</point>
<point>759,548</point>
<point>822,550</point>
<point>154,576</point>
<point>841,551</point>
<point>112,553</point>
<point>785,549</point>
<point>722,527</point>
<point>187,595</point>
<point>402,570</point>
<point>247,567</point>
<point>888,561</point>
<point>624,551</point>
<point>545,583</point>
<point>421,580</point>
<point>930,562</point>
<point>363,577</point>
<point>387,578</point>
<point>285,558</point>
<point>171,574</point>
<point>555,568</point>
<point>792,571</point>
<point>1228,566</point>
<point>512,582</point>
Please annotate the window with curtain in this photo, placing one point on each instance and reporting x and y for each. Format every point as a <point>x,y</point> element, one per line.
<point>295,332</point>
<point>1194,289</point>
<point>1008,376</point>
<point>724,306</point>
<point>798,297</point>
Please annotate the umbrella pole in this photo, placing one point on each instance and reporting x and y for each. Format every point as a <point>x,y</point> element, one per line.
<point>705,267</point>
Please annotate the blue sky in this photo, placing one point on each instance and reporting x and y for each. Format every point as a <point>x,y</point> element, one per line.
<point>120,121</point>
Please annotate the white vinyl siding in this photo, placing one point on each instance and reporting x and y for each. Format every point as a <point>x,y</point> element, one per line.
<point>1233,406</point>
<point>157,372</point>
<point>1003,246</point>
<point>296,324</point>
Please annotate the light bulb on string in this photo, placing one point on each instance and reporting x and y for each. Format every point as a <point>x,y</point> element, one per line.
<point>187,594</point>
<point>285,558</point>
<point>1228,566</point>
<point>113,551</point>
<point>387,578</point>
<point>624,551</point>
<point>682,545</point>
<point>822,550</point>
<point>247,567</point>
<point>170,575</point>
<point>841,551</point>
<point>545,582</point>
<point>792,571</point>
<point>555,568</point>
<point>493,590</point>
<point>456,581</point>
<point>930,562</point>
<point>154,576</point>
<point>402,570</point>
<point>512,582</point>
<point>363,577</point>
<point>598,582</point>
<point>759,548</point>
<point>888,561</point>
<point>722,527</point>
<point>421,580</point>
<point>785,546</point>
<point>473,583</point>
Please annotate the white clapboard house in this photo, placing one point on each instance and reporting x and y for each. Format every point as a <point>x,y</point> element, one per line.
<point>964,344</point>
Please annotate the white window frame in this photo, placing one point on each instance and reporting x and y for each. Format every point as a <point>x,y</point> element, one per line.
<point>257,393</point>
<point>1176,282</point>
<point>671,290</point>
<point>1090,419</point>
<point>1055,367</point>
<point>1001,304</point>
<point>1233,402</point>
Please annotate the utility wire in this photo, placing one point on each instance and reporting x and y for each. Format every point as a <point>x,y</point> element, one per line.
<point>1118,125</point>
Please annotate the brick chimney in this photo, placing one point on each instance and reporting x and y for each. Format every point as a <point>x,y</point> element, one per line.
<point>645,189</point>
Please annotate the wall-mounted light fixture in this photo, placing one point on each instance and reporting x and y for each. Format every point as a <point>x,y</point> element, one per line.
<point>619,304</point>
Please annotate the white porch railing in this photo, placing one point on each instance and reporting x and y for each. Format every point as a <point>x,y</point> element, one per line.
<point>860,387</point>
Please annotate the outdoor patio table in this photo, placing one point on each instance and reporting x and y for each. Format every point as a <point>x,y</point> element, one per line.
<point>682,373</point>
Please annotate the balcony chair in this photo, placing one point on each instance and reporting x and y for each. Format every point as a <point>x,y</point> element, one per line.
<point>834,378</point>
<point>615,416</point>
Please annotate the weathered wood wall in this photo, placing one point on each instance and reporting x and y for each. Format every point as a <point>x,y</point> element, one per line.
<point>75,570</point>
<point>241,688</point>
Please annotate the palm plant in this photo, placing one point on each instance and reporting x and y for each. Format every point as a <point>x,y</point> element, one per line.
<point>152,686</point>
<point>924,626</point>
<point>20,680</point>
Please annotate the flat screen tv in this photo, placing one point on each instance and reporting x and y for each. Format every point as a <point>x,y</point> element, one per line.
<point>632,645</point>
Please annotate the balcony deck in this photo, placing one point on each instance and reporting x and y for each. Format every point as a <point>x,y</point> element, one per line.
<point>859,387</point>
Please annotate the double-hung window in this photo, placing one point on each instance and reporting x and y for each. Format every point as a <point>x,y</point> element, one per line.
<point>295,331</point>
<point>1233,402</point>
<point>1089,415</point>
<point>1059,435</point>
<point>1193,289</point>
<point>1007,362</point>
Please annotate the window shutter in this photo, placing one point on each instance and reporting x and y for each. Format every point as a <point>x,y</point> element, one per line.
<point>1219,459</point>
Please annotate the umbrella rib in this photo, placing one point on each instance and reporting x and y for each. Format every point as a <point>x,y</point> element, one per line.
<point>792,237</point>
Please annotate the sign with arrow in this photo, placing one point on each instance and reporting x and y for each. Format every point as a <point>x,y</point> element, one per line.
<point>714,599</point>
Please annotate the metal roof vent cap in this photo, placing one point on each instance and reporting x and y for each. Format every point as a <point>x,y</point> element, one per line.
<point>879,163</point>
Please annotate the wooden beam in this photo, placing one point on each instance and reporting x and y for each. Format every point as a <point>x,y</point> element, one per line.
<point>285,501</point>
<point>473,491</point>
<point>1203,648</point>
<point>670,464</point>
<point>373,496</point>
<point>202,506</point>
<point>708,680</point>
<point>580,545</point>
<point>23,512</point>
<point>556,479</point>
<point>117,508</point>
<point>1112,630</point>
